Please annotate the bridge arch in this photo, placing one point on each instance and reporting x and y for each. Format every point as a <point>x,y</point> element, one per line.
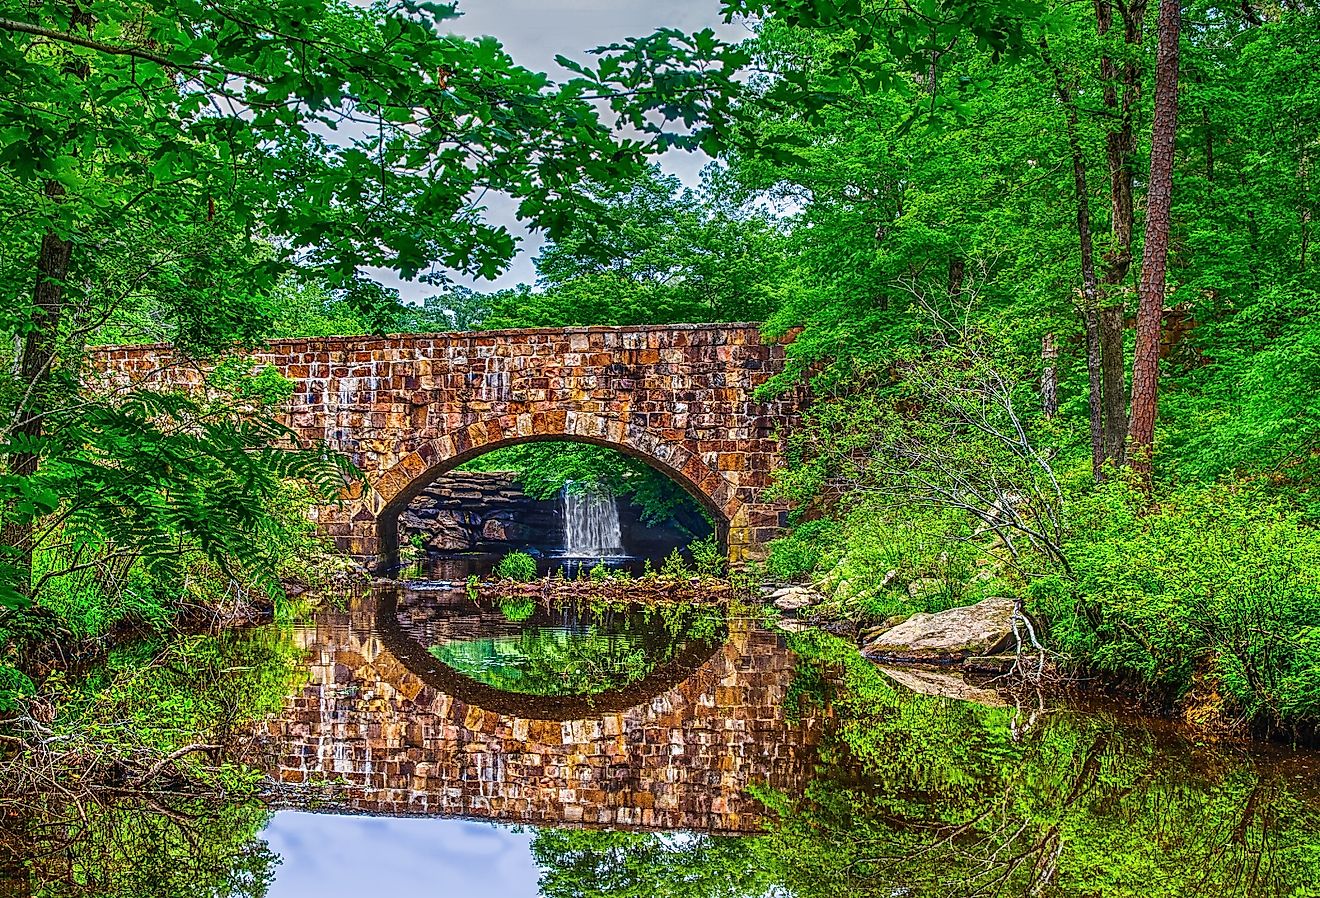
<point>433,459</point>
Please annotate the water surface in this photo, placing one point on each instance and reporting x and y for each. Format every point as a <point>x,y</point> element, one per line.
<point>408,755</point>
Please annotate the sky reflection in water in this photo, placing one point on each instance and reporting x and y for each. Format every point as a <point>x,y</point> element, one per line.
<point>329,856</point>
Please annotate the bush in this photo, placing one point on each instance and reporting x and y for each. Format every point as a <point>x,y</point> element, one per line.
<point>517,566</point>
<point>800,552</point>
<point>710,561</point>
<point>1217,582</point>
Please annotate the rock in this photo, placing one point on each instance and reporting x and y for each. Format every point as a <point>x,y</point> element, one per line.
<point>922,587</point>
<point>790,597</point>
<point>791,625</point>
<point>947,684</point>
<point>947,637</point>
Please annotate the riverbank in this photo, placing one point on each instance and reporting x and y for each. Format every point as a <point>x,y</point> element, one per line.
<point>997,643</point>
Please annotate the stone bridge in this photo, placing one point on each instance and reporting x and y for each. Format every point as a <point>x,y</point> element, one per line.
<point>393,741</point>
<point>408,408</point>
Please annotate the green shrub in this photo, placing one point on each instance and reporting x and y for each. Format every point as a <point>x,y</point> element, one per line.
<point>674,567</point>
<point>800,552</point>
<point>1216,582</point>
<point>517,566</point>
<point>709,559</point>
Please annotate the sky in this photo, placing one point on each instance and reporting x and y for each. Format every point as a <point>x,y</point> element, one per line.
<point>534,32</point>
<point>324,856</point>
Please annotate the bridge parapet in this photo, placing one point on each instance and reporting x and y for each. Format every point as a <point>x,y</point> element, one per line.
<point>408,408</point>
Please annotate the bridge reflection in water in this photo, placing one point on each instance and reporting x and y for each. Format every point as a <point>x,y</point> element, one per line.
<point>403,734</point>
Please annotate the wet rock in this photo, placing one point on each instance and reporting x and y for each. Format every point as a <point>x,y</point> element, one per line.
<point>945,683</point>
<point>947,637</point>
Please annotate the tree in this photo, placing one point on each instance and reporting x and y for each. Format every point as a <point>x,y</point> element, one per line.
<point>179,157</point>
<point>1150,314</point>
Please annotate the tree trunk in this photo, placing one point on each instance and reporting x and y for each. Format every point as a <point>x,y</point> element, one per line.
<point>1090,288</point>
<point>1114,382</point>
<point>1049,377</point>
<point>1120,149</point>
<point>35,361</point>
<point>957,273</point>
<point>1159,199</point>
<point>1095,402</point>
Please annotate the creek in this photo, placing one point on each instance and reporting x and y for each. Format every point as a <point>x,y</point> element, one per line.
<point>423,743</point>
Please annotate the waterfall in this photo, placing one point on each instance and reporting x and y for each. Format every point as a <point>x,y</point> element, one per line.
<point>591,524</point>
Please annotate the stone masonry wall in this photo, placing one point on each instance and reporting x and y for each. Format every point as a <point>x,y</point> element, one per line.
<point>407,408</point>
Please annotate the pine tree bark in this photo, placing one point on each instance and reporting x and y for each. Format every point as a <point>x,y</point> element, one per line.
<point>1154,261</point>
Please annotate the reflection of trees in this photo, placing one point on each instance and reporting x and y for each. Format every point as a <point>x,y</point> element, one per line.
<point>549,662</point>
<point>605,864</point>
<point>923,797</point>
<point>161,847</point>
<point>127,780</point>
<point>590,653</point>
<point>927,797</point>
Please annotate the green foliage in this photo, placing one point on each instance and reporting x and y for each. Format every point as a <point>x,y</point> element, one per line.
<point>547,469</point>
<point>675,567</point>
<point>799,552</point>
<point>708,558</point>
<point>517,566</point>
<point>1218,582</point>
<point>146,482</point>
<point>473,586</point>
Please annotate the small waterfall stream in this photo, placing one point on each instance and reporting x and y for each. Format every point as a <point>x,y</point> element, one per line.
<point>591,524</point>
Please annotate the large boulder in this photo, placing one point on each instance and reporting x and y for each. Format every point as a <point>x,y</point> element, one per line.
<point>947,637</point>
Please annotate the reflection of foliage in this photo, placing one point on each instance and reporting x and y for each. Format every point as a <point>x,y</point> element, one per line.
<point>193,689</point>
<point>517,566</point>
<point>169,848</point>
<point>605,650</point>
<point>121,794</point>
<point>597,864</point>
<point>927,796</point>
<point>931,798</point>
<point>517,608</point>
<point>549,662</point>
